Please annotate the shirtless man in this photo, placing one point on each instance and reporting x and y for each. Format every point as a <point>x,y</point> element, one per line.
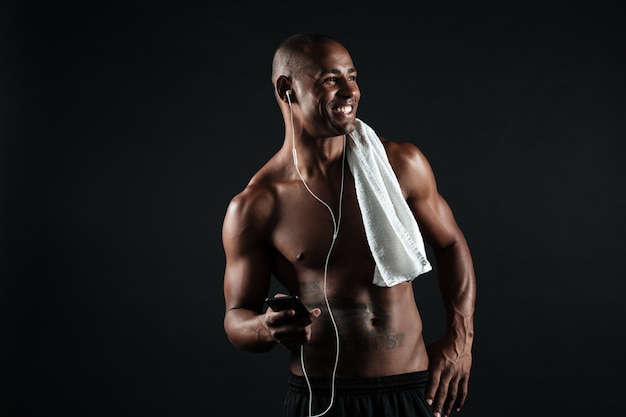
<point>282,225</point>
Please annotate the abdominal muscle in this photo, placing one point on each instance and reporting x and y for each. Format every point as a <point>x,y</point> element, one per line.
<point>380,333</point>
<point>380,328</point>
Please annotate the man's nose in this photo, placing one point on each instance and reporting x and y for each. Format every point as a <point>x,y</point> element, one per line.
<point>348,90</point>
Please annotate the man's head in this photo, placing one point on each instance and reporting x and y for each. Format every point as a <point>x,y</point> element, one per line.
<point>319,73</point>
<point>294,53</point>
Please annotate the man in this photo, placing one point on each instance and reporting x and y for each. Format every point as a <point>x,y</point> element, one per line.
<point>307,218</point>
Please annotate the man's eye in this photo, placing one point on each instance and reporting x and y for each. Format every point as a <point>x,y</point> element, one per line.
<point>331,80</point>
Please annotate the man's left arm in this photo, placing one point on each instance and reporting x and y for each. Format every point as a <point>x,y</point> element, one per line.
<point>450,358</point>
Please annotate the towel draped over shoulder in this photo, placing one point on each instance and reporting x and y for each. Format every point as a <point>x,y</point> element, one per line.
<point>392,232</point>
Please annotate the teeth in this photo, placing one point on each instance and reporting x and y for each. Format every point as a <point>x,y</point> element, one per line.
<point>344,109</point>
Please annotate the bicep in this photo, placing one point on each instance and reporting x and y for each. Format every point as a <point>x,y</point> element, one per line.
<point>436,221</point>
<point>247,271</point>
<point>432,212</point>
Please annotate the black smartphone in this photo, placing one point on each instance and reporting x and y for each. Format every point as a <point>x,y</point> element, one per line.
<point>286,303</point>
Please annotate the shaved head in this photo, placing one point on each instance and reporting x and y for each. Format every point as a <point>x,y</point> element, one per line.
<point>293,54</point>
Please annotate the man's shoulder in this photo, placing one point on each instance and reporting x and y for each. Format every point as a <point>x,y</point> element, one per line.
<point>259,197</point>
<point>403,154</point>
<point>255,196</point>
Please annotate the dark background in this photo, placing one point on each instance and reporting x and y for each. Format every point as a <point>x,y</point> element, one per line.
<point>125,131</point>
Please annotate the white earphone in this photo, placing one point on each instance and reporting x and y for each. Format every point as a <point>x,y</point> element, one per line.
<point>336,224</point>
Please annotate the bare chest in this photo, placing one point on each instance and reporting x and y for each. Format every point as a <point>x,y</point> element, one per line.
<point>303,235</point>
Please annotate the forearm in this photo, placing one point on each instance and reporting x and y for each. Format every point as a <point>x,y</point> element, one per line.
<point>245,329</point>
<point>457,284</point>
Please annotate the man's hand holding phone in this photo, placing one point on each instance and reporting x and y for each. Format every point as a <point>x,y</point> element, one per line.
<point>289,321</point>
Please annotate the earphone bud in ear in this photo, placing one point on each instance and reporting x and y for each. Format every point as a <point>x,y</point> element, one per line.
<point>288,92</point>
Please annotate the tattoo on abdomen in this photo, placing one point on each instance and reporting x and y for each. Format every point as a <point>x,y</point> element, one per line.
<point>311,287</point>
<point>372,343</point>
<point>363,327</point>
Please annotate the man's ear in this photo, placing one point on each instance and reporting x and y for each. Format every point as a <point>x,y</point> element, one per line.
<point>283,85</point>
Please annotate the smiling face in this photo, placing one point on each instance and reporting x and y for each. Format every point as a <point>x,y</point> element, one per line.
<point>326,90</point>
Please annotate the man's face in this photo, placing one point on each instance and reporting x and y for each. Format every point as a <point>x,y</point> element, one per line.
<point>328,91</point>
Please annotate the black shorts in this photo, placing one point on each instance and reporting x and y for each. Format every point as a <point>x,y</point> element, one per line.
<point>401,395</point>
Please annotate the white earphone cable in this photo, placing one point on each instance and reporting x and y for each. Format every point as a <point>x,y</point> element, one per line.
<point>336,224</point>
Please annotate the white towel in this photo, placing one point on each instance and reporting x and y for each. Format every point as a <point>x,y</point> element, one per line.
<point>391,229</point>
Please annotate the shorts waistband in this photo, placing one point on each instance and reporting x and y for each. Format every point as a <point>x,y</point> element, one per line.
<point>373,385</point>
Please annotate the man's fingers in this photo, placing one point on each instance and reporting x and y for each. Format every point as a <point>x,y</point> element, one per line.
<point>436,393</point>
<point>450,398</point>
<point>443,394</point>
<point>440,399</point>
<point>462,394</point>
<point>431,389</point>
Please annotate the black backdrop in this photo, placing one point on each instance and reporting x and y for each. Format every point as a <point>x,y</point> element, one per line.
<point>127,129</point>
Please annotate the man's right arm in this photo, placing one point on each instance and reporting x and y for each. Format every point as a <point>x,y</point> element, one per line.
<point>247,274</point>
